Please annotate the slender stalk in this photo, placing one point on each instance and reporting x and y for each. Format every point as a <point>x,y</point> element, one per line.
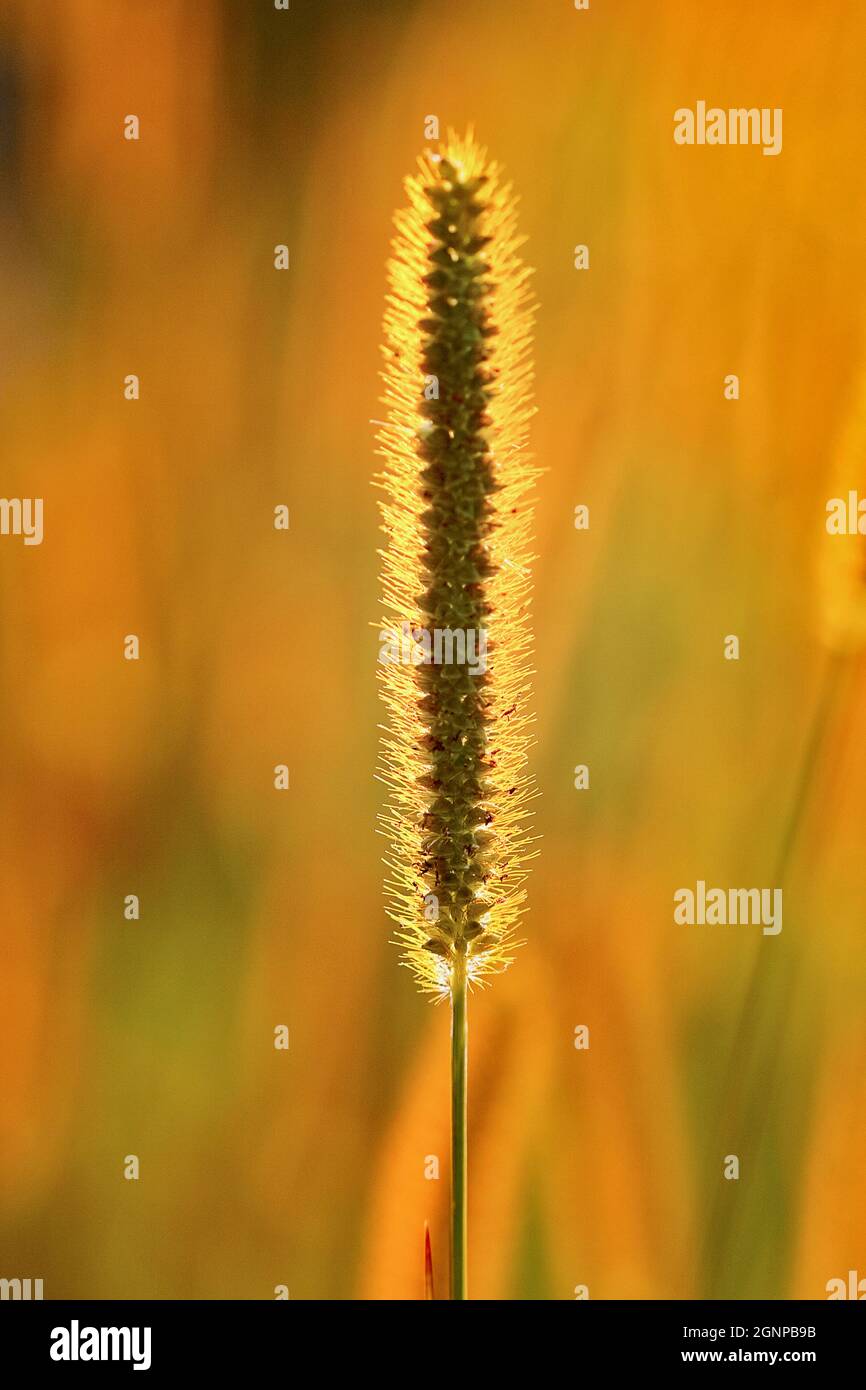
<point>751,1088</point>
<point>459,1059</point>
<point>800,802</point>
<point>809,764</point>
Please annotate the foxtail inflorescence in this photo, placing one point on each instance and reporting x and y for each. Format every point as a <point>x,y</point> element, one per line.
<point>455,571</point>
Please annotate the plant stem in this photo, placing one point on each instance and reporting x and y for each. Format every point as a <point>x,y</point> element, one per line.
<point>459,1033</point>
<point>800,802</point>
<point>753,1088</point>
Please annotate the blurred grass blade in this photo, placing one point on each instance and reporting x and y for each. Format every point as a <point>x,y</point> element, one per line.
<point>428,1265</point>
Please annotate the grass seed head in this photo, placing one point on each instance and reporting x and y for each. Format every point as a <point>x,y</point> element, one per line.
<point>457,517</point>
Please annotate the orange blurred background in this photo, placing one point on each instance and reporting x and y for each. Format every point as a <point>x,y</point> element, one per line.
<point>599,1167</point>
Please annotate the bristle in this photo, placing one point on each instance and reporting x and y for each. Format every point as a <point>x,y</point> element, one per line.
<point>457,518</point>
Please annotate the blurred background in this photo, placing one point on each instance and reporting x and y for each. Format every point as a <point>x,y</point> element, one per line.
<point>259,1167</point>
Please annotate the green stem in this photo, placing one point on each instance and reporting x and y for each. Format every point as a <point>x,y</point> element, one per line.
<point>749,1083</point>
<point>808,765</point>
<point>459,1032</point>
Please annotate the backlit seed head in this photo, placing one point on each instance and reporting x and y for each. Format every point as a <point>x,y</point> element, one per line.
<point>457,517</point>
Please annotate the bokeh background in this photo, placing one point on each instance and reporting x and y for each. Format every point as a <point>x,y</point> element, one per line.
<point>306,1168</point>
